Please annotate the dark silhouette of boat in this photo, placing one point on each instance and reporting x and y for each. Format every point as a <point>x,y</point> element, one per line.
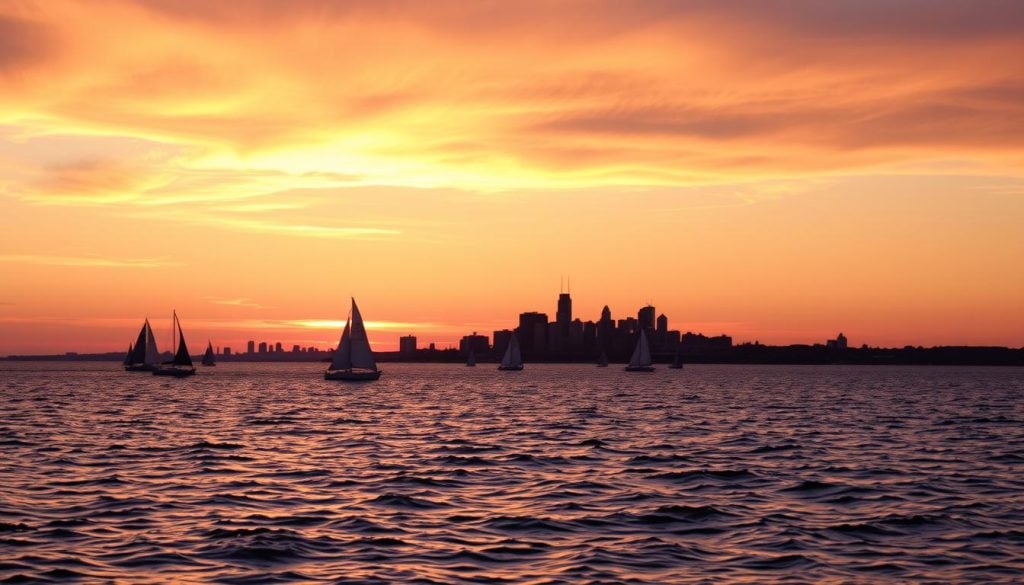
<point>181,365</point>
<point>208,356</point>
<point>512,361</point>
<point>641,360</point>
<point>144,356</point>
<point>353,360</point>
<point>677,363</point>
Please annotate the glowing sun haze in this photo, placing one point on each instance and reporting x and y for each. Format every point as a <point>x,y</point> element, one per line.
<point>778,171</point>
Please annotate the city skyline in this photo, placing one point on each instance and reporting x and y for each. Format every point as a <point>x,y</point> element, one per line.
<point>447,165</point>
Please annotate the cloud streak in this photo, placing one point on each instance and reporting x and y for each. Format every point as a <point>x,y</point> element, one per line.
<point>88,261</point>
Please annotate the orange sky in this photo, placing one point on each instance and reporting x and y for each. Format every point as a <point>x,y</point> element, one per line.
<point>778,171</point>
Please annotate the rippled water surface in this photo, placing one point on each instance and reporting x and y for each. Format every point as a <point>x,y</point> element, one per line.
<point>252,473</point>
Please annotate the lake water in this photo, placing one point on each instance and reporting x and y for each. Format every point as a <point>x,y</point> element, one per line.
<point>253,473</point>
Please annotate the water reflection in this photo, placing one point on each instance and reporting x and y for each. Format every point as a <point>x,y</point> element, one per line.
<point>267,472</point>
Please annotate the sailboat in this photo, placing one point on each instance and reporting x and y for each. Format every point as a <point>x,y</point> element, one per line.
<point>513,359</point>
<point>677,363</point>
<point>641,360</point>
<point>145,356</point>
<point>128,357</point>
<point>353,360</point>
<point>208,356</point>
<point>181,365</point>
<point>602,362</point>
<point>471,360</point>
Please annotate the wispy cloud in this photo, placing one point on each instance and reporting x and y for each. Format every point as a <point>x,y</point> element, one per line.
<point>239,302</point>
<point>88,261</point>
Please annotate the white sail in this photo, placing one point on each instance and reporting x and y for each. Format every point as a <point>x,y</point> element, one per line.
<point>512,358</point>
<point>343,355</point>
<point>152,354</point>
<point>642,352</point>
<point>354,348</point>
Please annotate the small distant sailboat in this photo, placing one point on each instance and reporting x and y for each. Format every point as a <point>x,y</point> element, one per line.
<point>513,359</point>
<point>208,356</point>
<point>353,360</point>
<point>602,362</point>
<point>677,363</point>
<point>641,360</point>
<point>471,360</point>
<point>181,365</point>
<point>128,358</point>
<point>144,355</point>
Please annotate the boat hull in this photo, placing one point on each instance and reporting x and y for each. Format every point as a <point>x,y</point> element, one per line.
<point>352,376</point>
<point>639,368</point>
<point>510,368</point>
<point>174,372</point>
<point>139,368</point>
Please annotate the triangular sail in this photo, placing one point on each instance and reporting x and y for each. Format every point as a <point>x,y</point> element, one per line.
<point>152,355</point>
<point>128,356</point>
<point>139,351</point>
<point>361,354</point>
<point>343,355</point>
<point>208,356</point>
<point>642,352</point>
<point>512,358</point>
<point>181,358</point>
<point>354,347</point>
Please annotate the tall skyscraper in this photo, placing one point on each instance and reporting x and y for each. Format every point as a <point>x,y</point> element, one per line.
<point>407,345</point>
<point>645,317</point>
<point>251,346</point>
<point>564,315</point>
<point>606,331</point>
<point>532,331</point>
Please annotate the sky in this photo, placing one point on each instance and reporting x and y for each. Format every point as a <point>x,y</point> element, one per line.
<point>776,171</point>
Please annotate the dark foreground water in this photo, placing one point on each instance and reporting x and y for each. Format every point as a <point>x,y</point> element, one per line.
<point>441,473</point>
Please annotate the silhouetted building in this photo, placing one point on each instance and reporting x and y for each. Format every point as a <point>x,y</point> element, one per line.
<point>501,339</point>
<point>251,347</point>
<point>645,316</point>
<point>227,351</point>
<point>564,315</point>
<point>661,333</point>
<point>296,348</point>
<point>838,343</point>
<point>555,339</point>
<point>671,341</point>
<point>590,346</point>
<point>263,347</point>
<point>477,343</point>
<point>605,332</point>
<point>699,343</point>
<point>575,341</point>
<point>532,332</point>
<point>407,345</point>
<point>278,348</point>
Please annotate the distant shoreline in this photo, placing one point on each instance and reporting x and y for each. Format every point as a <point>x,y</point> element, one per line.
<point>739,354</point>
